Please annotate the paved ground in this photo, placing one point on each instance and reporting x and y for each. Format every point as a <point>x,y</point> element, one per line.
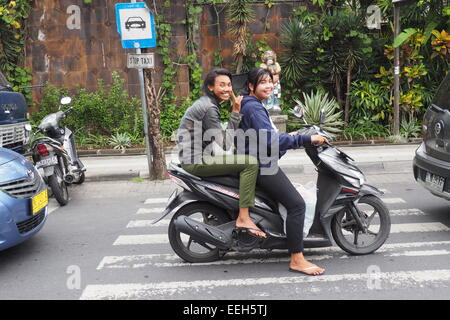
<point>102,246</point>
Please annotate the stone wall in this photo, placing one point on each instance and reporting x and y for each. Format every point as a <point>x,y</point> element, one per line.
<point>73,44</point>
<point>276,17</point>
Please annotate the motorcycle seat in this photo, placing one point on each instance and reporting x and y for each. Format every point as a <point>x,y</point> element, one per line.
<point>233,182</point>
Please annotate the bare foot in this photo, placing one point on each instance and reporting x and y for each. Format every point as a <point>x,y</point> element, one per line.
<point>252,228</point>
<point>300,264</point>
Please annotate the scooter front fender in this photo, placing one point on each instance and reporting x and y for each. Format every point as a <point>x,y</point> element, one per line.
<point>177,200</point>
<point>367,189</point>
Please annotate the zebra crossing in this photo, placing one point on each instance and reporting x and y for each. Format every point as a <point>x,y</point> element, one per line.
<point>419,246</point>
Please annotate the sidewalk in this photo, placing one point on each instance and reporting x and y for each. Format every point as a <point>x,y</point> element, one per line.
<point>387,158</point>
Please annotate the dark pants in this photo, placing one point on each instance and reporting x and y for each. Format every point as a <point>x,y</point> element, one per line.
<point>281,189</point>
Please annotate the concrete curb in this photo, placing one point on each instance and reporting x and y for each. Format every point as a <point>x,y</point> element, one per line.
<point>366,167</point>
<point>171,150</point>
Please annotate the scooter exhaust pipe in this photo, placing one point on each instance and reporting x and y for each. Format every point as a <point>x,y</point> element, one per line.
<point>68,178</point>
<point>203,232</point>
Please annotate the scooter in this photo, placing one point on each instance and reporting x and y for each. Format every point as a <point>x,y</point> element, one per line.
<point>55,153</point>
<point>348,211</point>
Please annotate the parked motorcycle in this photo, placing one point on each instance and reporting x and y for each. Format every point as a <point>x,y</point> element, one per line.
<point>55,153</point>
<point>348,210</point>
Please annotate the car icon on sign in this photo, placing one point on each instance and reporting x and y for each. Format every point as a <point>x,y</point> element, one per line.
<point>135,22</point>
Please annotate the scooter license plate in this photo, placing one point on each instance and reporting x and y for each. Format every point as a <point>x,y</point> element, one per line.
<point>47,162</point>
<point>39,201</point>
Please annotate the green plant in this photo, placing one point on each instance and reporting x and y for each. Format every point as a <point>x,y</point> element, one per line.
<point>239,14</point>
<point>317,101</point>
<point>369,99</point>
<point>365,129</point>
<point>120,141</point>
<point>410,129</point>
<point>103,112</point>
<point>13,30</point>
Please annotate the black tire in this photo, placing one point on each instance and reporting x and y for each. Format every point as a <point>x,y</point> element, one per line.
<point>59,187</point>
<point>344,230</point>
<point>211,215</point>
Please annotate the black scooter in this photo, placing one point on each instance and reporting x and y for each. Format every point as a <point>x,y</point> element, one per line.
<point>348,210</point>
<point>55,153</point>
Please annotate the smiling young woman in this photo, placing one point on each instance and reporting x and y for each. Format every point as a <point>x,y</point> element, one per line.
<point>276,183</point>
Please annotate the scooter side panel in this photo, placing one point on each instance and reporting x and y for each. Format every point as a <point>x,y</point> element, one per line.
<point>179,200</point>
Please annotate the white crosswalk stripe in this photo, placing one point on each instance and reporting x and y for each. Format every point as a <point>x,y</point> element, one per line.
<point>172,260</point>
<point>165,222</point>
<point>391,280</point>
<point>150,210</point>
<point>163,238</point>
<point>156,200</point>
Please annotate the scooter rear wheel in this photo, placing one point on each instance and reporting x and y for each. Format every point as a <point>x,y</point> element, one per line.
<point>187,248</point>
<point>351,239</point>
<point>59,187</point>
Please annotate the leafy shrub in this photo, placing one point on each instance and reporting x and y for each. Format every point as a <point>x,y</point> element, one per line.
<point>410,129</point>
<point>316,102</point>
<point>369,99</point>
<point>104,112</point>
<point>365,129</point>
<point>120,141</point>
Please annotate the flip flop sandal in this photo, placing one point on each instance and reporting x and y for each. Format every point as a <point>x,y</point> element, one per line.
<point>304,271</point>
<point>240,230</point>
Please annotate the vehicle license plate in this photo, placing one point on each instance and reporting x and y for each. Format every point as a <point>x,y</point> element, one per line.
<point>47,162</point>
<point>434,181</point>
<point>39,201</point>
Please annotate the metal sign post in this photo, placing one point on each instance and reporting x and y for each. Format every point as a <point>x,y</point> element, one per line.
<point>136,26</point>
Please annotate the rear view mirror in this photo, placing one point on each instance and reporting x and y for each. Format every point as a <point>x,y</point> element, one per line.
<point>66,100</point>
<point>322,116</point>
<point>299,112</point>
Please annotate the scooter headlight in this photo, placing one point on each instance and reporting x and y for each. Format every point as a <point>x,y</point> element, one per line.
<point>356,182</point>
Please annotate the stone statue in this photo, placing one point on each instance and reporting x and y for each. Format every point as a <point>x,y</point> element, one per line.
<point>270,63</point>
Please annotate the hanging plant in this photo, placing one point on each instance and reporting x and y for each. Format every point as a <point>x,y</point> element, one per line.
<point>13,15</point>
<point>239,15</point>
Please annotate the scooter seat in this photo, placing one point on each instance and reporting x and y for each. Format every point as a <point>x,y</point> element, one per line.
<point>228,181</point>
<point>233,182</point>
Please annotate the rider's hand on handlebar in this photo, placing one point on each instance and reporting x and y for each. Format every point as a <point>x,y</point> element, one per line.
<point>317,140</point>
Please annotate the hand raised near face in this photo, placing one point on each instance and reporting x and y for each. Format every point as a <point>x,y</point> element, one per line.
<point>235,102</point>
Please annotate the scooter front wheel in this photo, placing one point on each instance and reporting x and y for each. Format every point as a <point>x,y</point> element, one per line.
<point>350,238</point>
<point>189,249</point>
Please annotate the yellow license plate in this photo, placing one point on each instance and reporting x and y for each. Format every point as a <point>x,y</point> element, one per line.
<point>39,201</point>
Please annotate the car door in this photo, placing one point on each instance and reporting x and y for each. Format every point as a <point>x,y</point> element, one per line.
<point>437,123</point>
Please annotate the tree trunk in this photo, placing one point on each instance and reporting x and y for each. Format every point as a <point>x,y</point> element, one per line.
<point>347,98</point>
<point>159,168</point>
<point>338,90</point>
<point>240,63</point>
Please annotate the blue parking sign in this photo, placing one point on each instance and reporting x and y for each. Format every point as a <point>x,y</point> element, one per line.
<point>136,25</point>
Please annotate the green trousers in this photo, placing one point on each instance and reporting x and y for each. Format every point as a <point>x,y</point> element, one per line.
<point>247,167</point>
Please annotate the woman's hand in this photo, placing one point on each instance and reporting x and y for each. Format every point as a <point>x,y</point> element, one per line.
<point>317,140</point>
<point>235,102</point>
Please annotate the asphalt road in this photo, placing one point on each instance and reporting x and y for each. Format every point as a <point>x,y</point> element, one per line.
<point>100,246</point>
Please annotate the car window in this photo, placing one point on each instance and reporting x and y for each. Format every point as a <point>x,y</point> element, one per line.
<point>442,96</point>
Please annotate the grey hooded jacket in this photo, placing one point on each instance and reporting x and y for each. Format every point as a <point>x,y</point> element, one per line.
<point>200,127</point>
